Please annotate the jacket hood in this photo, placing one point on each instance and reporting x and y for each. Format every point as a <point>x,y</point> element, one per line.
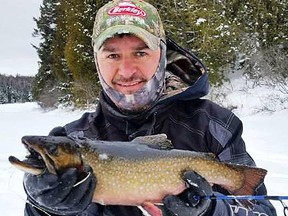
<point>186,76</point>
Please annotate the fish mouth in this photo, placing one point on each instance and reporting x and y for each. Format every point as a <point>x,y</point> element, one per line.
<point>34,163</point>
<point>54,154</point>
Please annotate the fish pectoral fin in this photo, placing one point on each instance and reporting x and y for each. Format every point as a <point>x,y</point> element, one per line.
<point>149,209</point>
<point>158,141</point>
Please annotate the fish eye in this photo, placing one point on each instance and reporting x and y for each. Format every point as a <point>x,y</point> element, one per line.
<point>52,150</point>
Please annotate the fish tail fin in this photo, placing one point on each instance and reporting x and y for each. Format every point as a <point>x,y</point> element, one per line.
<point>253,177</point>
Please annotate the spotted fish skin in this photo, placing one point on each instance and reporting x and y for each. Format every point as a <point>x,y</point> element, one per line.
<point>140,171</point>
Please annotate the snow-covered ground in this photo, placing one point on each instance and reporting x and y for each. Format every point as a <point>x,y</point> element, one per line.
<point>265,133</point>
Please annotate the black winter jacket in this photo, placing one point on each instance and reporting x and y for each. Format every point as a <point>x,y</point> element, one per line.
<point>190,123</point>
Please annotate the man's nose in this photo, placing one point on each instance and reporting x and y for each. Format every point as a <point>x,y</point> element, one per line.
<point>127,67</point>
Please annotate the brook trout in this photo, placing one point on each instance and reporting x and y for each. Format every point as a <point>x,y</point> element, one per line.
<point>144,170</point>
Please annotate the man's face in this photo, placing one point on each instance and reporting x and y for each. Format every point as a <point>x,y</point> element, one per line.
<point>126,63</point>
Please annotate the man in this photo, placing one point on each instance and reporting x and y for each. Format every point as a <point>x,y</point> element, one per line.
<point>150,86</point>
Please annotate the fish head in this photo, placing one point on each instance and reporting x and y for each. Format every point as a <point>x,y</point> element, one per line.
<point>56,153</point>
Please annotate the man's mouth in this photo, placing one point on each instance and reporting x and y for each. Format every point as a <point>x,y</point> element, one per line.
<point>129,87</point>
<point>129,84</point>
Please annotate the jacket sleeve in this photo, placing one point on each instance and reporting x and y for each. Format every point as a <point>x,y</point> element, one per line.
<point>33,210</point>
<point>227,135</point>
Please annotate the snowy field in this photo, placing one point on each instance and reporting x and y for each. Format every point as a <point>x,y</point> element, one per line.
<point>266,136</point>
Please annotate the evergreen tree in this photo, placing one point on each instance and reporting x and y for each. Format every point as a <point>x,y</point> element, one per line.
<point>46,24</point>
<point>263,23</point>
<point>15,89</point>
<point>264,26</point>
<point>78,51</point>
<point>202,27</point>
<point>59,66</point>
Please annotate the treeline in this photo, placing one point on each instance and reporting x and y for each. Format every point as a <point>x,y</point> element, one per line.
<point>15,89</point>
<point>220,32</point>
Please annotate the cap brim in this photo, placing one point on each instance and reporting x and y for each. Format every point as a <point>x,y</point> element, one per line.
<point>151,40</point>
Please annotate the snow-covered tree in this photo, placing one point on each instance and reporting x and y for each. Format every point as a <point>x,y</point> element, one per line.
<point>45,78</point>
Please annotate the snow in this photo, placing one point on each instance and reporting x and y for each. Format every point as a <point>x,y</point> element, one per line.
<point>200,21</point>
<point>265,134</point>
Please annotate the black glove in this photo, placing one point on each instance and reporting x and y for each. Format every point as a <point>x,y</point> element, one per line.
<point>58,131</point>
<point>69,193</point>
<point>185,204</point>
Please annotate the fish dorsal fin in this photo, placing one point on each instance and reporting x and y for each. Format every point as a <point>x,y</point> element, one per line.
<point>158,141</point>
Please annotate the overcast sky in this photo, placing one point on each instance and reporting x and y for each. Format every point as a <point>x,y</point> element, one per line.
<point>17,56</point>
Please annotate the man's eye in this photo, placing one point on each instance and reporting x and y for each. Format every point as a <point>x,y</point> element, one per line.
<point>113,56</point>
<point>141,53</point>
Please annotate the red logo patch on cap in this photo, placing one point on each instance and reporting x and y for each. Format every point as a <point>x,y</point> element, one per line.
<point>127,8</point>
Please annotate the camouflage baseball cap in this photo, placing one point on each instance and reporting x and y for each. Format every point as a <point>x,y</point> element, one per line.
<point>135,17</point>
